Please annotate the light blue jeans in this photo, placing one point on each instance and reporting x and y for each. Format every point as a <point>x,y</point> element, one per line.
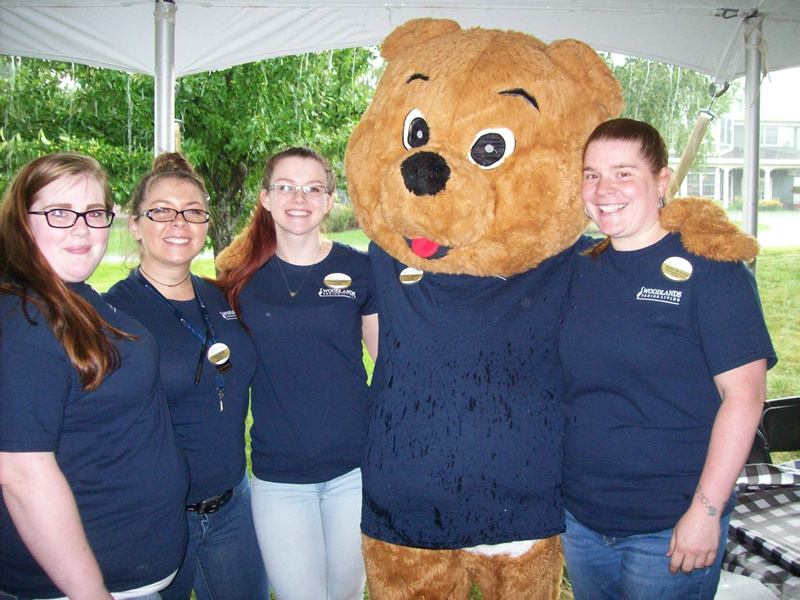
<point>635,567</point>
<point>310,537</point>
<point>222,557</point>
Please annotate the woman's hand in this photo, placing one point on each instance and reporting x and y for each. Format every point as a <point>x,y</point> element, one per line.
<point>695,539</point>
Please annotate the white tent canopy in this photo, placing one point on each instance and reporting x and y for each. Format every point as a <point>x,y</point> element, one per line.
<point>167,39</point>
<point>703,35</point>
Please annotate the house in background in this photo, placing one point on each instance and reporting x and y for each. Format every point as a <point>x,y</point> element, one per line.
<point>719,175</point>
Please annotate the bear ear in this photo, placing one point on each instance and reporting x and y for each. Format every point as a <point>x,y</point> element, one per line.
<point>414,33</point>
<point>586,67</point>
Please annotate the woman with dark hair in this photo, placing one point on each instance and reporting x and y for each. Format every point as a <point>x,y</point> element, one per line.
<point>309,303</point>
<point>207,363</point>
<point>93,480</point>
<point>665,357</point>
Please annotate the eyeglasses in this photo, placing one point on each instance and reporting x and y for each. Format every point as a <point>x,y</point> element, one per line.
<point>286,190</point>
<point>165,215</point>
<point>64,218</point>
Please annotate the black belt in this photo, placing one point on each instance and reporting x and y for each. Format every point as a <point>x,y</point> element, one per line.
<point>212,505</point>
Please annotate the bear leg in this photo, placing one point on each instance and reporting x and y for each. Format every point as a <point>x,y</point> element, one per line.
<point>536,575</point>
<point>405,573</point>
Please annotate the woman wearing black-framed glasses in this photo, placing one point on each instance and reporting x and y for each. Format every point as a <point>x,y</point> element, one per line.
<point>207,361</point>
<point>92,479</point>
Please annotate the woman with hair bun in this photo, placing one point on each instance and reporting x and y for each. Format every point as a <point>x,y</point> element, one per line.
<point>93,480</point>
<point>207,362</point>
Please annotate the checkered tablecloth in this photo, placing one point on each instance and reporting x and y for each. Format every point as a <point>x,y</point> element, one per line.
<point>764,534</point>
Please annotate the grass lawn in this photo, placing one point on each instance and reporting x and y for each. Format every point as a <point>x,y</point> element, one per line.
<point>355,238</point>
<point>778,276</point>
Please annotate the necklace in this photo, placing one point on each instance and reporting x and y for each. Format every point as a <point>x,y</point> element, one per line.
<point>292,294</point>
<point>169,285</point>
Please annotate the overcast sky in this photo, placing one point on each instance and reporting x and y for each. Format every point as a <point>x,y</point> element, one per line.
<point>780,96</point>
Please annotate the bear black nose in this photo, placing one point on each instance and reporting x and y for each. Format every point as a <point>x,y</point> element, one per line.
<point>425,173</point>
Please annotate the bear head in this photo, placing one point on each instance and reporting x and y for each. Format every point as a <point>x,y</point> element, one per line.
<point>469,158</point>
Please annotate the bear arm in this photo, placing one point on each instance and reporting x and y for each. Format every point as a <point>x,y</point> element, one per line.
<point>230,256</point>
<point>707,231</point>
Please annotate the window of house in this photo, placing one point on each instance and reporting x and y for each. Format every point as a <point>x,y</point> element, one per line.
<point>702,184</point>
<point>769,136</point>
<point>709,183</point>
<point>693,183</point>
<point>773,135</point>
<point>726,132</point>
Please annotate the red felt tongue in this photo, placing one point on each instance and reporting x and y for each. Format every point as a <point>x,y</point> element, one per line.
<point>424,247</point>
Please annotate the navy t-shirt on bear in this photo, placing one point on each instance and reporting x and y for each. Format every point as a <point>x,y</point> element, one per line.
<point>473,438</point>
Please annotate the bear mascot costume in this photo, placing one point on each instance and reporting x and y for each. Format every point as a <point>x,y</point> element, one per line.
<point>465,173</point>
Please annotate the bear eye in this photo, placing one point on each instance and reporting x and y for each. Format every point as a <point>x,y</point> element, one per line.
<point>415,130</point>
<point>491,147</point>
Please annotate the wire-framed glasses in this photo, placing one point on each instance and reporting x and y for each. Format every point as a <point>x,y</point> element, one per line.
<point>64,218</point>
<point>165,215</point>
<point>287,190</point>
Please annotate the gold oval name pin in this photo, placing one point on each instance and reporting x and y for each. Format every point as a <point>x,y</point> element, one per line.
<point>338,281</point>
<point>410,275</point>
<point>218,356</point>
<point>218,353</point>
<point>676,268</point>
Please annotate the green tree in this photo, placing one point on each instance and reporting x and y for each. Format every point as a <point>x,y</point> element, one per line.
<point>232,119</point>
<point>666,96</point>
<point>54,106</point>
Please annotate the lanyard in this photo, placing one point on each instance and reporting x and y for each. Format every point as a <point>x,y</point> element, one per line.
<point>210,336</point>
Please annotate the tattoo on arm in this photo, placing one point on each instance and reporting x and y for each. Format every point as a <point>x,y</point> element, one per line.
<point>710,508</point>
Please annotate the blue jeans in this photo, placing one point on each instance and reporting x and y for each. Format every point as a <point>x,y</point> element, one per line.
<point>310,537</point>
<point>634,567</point>
<point>222,560</point>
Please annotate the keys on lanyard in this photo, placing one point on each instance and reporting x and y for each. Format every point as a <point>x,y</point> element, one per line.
<point>219,355</point>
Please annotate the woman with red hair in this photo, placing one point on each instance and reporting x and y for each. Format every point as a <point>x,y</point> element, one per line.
<point>93,482</point>
<point>309,303</point>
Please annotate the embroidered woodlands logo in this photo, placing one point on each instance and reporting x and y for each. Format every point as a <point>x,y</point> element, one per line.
<point>657,295</point>
<point>334,293</point>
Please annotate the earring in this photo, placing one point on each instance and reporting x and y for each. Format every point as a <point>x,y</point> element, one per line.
<point>586,212</point>
<point>662,202</point>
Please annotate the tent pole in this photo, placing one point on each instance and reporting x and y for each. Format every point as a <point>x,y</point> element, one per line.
<point>164,76</point>
<point>752,44</point>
